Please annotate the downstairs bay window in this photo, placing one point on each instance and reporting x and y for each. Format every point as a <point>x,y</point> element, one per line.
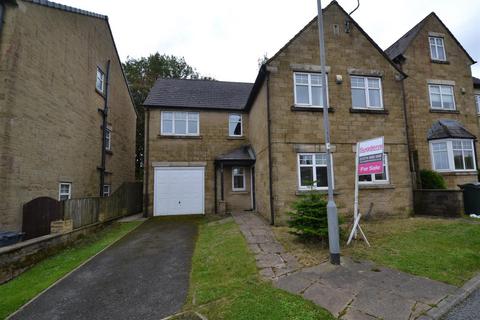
<point>453,155</point>
<point>312,171</point>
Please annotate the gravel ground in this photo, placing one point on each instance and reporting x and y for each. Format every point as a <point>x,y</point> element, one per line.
<point>467,310</point>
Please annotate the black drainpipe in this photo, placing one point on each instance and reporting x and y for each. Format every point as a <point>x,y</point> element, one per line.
<point>2,15</point>
<point>104,113</point>
<point>272,211</point>
<point>146,163</point>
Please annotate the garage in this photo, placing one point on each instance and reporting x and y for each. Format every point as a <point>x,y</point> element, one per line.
<point>179,191</point>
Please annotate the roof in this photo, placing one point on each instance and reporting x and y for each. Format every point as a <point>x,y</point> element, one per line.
<point>401,45</point>
<point>198,94</point>
<point>445,129</point>
<point>244,153</point>
<point>63,7</point>
<point>476,82</point>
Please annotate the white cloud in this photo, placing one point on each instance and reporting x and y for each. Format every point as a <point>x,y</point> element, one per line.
<point>224,39</point>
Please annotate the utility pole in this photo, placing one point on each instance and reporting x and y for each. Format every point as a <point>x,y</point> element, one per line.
<point>333,234</point>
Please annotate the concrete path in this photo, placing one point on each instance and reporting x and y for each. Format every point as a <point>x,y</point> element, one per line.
<point>143,276</point>
<point>354,290</point>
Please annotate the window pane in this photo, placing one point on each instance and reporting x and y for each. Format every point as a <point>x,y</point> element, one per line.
<point>440,53</point>
<point>439,146</point>
<point>316,79</point>
<point>358,82</point>
<point>167,126</point>
<point>317,99</point>
<point>365,178</point>
<point>469,163</point>
<point>238,182</point>
<point>467,145</point>
<point>192,126</point>
<point>301,94</point>
<point>180,116</point>
<point>440,159</point>
<point>458,158</point>
<point>446,90</point>
<point>434,89</point>
<point>435,100</point>
<point>322,179</point>
<point>374,83</point>
<point>180,126</point>
<point>321,159</point>
<point>306,176</point>
<point>457,144</point>
<point>358,98</point>
<point>301,78</point>
<point>381,176</point>
<point>447,102</point>
<point>167,115</point>
<point>374,96</point>
<point>306,159</point>
<point>237,171</point>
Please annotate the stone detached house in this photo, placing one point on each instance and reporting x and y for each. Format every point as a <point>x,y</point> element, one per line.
<point>220,146</point>
<point>60,69</point>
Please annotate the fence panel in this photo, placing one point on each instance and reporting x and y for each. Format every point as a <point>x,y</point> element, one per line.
<point>37,216</point>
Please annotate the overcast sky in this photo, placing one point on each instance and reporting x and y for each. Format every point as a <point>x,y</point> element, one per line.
<point>224,39</point>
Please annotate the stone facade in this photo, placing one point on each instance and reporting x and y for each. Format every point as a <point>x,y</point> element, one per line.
<point>421,71</point>
<point>49,109</point>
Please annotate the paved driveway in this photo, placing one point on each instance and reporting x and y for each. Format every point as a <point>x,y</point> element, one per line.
<point>143,276</point>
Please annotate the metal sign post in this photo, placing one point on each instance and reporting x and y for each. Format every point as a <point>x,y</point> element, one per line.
<point>368,160</point>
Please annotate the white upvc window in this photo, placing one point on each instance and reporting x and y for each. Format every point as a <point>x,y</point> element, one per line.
<point>453,155</point>
<point>366,93</point>
<point>64,191</point>
<point>477,102</point>
<point>235,125</point>
<point>238,179</point>
<point>437,49</point>
<point>106,190</point>
<point>441,97</point>
<point>108,139</point>
<point>180,123</point>
<point>379,178</point>
<point>100,84</point>
<point>308,89</point>
<point>312,171</point>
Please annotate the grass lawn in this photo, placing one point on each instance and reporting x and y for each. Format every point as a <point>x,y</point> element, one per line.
<point>440,249</point>
<point>225,285</point>
<point>20,290</point>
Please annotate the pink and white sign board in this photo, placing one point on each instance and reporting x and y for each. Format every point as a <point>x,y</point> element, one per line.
<point>370,156</point>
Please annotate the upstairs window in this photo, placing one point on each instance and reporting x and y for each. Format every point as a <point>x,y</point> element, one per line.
<point>108,140</point>
<point>453,155</point>
<point>100,84</point>
<point>437,49</point>
<point>238,179</point>
<point>308,89</point>
<point>64,191</point>
<point>441,97</point>
<point>477,102</point>
<point>235,125</point>
<point>180,123</point>
<point>379,178</point>
<point>312,171</point>
<point>366,93</point>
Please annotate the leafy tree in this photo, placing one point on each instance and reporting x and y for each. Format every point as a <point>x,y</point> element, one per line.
<point>261,61</point>
<point>141,74</point>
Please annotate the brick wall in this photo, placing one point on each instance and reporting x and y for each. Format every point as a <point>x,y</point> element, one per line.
<point>51,127</point>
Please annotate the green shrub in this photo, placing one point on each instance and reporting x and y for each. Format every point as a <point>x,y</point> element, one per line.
<point>309,217</point>
<point>432,180</point>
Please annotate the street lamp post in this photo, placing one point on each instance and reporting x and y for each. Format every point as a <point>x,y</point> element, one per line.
<point>333,234</point>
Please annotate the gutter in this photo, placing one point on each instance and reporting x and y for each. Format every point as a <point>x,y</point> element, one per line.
<point>104,113</point>
<point>269,134</point>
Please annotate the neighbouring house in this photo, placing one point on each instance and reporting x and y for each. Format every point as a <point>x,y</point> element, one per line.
<point>216,146</point>
<point>440,102</point>
<point>60,71</point>
<point>476,88</point>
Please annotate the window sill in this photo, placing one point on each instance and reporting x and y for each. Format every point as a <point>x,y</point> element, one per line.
<point>369,111</point>
<point>236,138</point>
<point>444,111</point>
<point>458,173</point>
<point>303,192</point>
<point>160,136</point>
<point>375,186</point>
<point>239,192</point>
<point>440,61</point>
<point>311,109</point>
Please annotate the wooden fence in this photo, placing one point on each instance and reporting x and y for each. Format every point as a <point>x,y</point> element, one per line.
<point>125,201</point>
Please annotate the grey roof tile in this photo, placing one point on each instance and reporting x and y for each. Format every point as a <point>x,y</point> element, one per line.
<point>63,7</point>
<point>476,82</point>
<point>198,94</point>
<point>242,153</point>
<point>447,129</point>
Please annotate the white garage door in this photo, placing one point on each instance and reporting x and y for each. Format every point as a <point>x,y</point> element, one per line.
<point>179,190</point>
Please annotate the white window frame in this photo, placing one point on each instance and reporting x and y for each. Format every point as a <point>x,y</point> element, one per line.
<point>451,159</point>
<point>108,139</point>
<point>436,47</point>
<point>163,133</point>
<point>309,74</point>
<point>477,103</point>
<point>100,79</point>
<point>60,193</point>
<point>232,134</point>
<point>238,175</point>
<point>366,90</point>
<point>441,96</point>
<point>109,190</point>
<point>313,166</point>
<point>374,180</point>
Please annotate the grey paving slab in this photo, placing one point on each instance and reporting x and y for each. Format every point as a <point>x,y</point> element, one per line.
<point>334,300</point>
<point>145,275</point>
<point>296,283</point>
<point>355,314</point>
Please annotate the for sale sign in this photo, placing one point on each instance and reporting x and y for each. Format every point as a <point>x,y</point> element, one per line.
<point>370,156</point>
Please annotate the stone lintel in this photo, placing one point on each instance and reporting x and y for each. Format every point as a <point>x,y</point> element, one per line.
<point>308,67</point>
<point>365,72</point>
<point>439,81</point>
<point>311,148</point>
<point>179,164</point>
